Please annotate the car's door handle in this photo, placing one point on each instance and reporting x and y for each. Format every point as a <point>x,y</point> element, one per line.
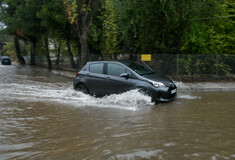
<point>108,77</point>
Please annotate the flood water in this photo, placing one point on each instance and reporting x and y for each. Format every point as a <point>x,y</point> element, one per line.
<point>42,117</point>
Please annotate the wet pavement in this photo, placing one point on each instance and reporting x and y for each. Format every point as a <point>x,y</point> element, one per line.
<point>42,117</point>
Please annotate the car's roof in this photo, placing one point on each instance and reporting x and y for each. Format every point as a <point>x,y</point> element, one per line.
<point>100,61</point>
<point>115,61</point>
<point>5,57</point>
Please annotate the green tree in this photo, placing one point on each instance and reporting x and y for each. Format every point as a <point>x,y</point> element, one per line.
<point>56,23</point>
<point>9,18</point>
<point>29,24</point>
<point>110,30</point>
<point>211,30</point>
<point>153,26</point>
<point>9,50</point>
<point>81,14</point>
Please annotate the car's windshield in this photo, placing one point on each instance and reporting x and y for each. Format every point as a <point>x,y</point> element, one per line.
<point>139,68</point>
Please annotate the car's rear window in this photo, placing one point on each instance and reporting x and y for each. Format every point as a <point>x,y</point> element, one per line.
<point>96,68</point>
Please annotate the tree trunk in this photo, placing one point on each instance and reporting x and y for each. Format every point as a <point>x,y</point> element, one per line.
<point>48,54</point>
<point>73,65</point>
<point>84,51</point>
<point>57,62</point>
<point>32,56</point>
<point>18,53</point>
<point>131,43</point>
<point>79,55</point>
<point>83,37</point>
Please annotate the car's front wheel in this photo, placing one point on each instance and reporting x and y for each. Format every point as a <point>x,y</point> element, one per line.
<point>148,93</point>
<point>82,88</point>
<point>144,91</point>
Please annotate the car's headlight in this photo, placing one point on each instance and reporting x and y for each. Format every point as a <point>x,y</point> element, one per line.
<point>157,84</point>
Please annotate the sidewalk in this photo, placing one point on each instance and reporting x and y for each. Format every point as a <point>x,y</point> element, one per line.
<point>69,74</point>
<point>211,86</point>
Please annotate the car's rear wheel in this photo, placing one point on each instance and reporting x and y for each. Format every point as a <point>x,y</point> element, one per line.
<point>82,88</point>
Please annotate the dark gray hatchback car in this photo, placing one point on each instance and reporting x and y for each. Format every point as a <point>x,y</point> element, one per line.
<point>102,78</point>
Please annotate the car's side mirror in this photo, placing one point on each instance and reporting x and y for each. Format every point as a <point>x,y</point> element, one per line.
<point>125,75</point>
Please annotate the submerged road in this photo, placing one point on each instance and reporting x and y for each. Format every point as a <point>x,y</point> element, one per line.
<point>42,117</point>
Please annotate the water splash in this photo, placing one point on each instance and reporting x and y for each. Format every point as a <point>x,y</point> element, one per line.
<point>38,91</point>
<point>181,86</point>
<point>64,94</point>
<point>184,91</point>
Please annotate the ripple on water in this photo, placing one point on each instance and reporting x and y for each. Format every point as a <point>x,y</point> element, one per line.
<point>139,154</point>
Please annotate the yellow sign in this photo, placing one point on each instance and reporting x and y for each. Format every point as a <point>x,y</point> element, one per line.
<point>146,57</point>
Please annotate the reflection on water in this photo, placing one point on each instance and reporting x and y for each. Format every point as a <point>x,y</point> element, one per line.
<point>42,117</point>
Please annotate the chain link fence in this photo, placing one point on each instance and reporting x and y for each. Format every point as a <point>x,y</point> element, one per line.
<point>183,64</point>
<point>167,64</point>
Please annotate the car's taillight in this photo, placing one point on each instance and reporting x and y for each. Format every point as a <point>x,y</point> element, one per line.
<point>77,74</point>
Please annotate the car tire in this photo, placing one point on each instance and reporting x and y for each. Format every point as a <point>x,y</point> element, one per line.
<point>82,88</point>
<point>148,93</point>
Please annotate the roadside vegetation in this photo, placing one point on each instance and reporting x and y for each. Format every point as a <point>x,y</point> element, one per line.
<point>79,28</point>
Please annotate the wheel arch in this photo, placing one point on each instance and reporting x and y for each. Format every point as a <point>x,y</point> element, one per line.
<point>76,87</point>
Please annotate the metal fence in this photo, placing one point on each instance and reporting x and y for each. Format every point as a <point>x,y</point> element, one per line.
<point>168,64</point>
<point>193,64</point>
<point>183,64</point>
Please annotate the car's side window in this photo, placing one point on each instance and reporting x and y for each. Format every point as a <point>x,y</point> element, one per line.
<point>96,68</point>
<point>115,69</point>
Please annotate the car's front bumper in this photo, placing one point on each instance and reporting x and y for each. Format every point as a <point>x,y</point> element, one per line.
<point>164,94</point>
<point>6,63</point>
